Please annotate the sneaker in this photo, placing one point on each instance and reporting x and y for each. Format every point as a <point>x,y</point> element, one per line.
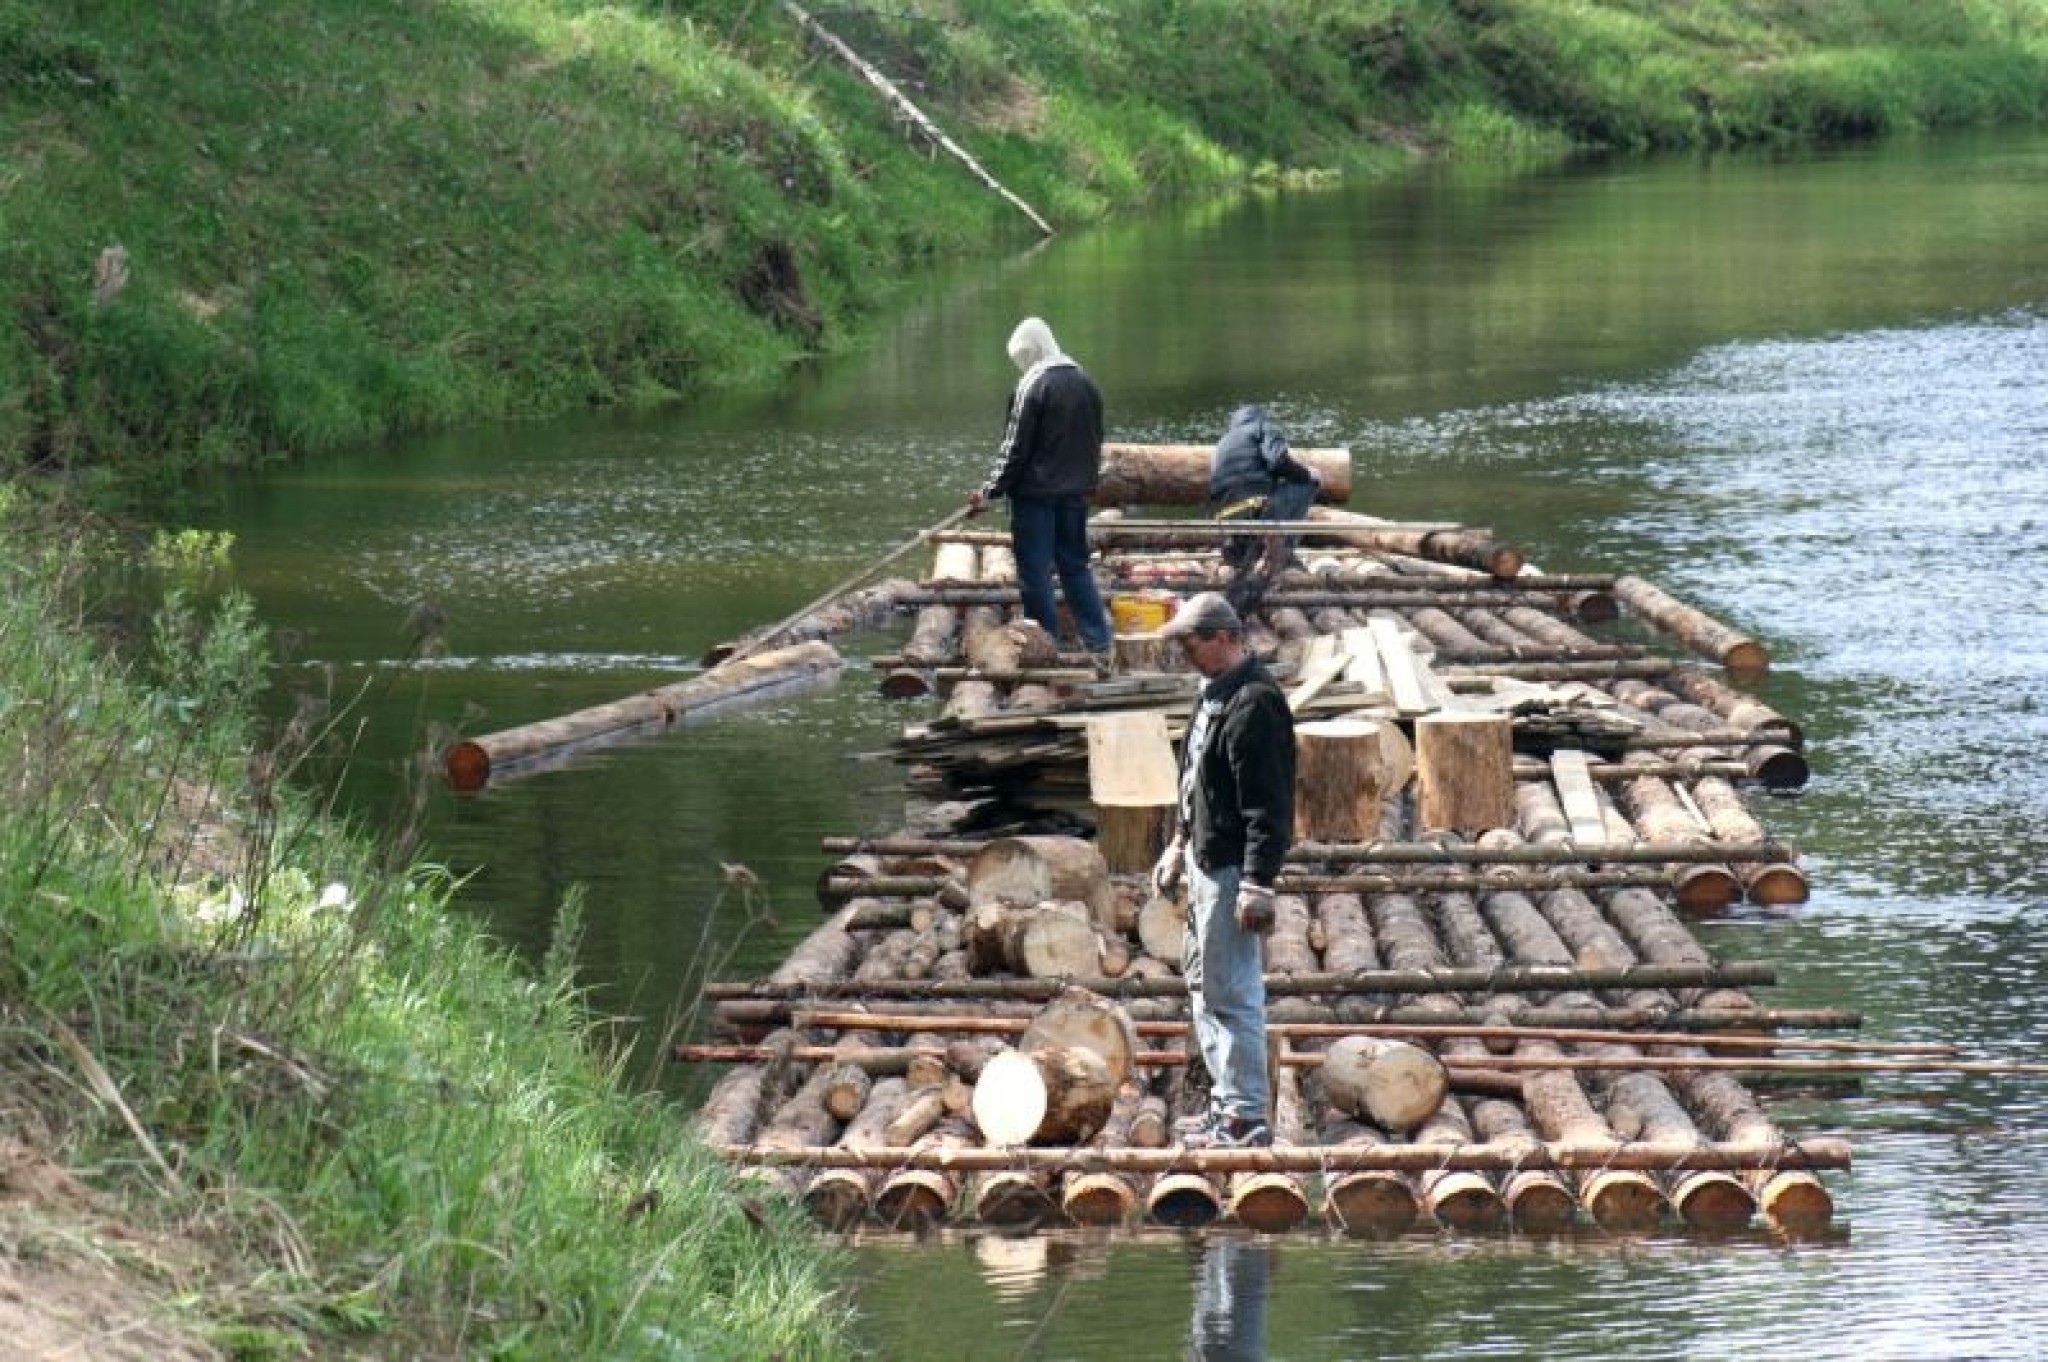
<point>1232,1132</point>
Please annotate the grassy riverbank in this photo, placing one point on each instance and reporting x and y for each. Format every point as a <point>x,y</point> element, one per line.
<point>230,233</point>
<point>262,1094</point>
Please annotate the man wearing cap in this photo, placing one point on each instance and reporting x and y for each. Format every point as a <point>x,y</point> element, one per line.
<point>1236,821</point>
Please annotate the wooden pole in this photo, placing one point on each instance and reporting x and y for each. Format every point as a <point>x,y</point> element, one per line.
<point>1517,979</point>
<point>826,1019</point>
<point>1816,1152</point>
<point>1389,853</point>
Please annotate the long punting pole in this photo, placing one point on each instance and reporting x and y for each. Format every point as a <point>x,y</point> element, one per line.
<point>1708,1022</point>
<point>1519,979</point>
<point>1813,1152</point>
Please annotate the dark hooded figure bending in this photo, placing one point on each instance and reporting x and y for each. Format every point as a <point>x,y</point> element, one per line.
<point>1049,465</point>
<point>1253,475</point>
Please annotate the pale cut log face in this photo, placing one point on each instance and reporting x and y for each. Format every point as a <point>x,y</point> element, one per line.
<point>1009,1099</point>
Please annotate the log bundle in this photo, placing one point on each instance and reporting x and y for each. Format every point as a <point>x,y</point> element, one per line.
<point>1486,1003</point>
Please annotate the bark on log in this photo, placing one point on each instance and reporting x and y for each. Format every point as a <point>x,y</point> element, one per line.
<point>732,1110</point>
<point>1341,775</point>
<point>1774,884</point>
<point>1028,870</point>
<point>1081,1020</point>
<point>471,763</point>
<point>1640,1107</point>
<point>1049,941</point>
<point>916,1198</point>
<point>1616,1197</point>
<point>1661,818</point>
<point>1539,1201</point>
<point>1106,1198</point>
<point>1052,1095</point>
<point>1693,627</point>
<point>1366,1203</point>
<point>1178,475</point>
<point>1464,771</point>
<point>1736,709</point>
<point>1459,1199</point>
<point>1395,1085</point>
<point>839,1197</point>
<point>1163,928</point>
<point>1792,1200</point>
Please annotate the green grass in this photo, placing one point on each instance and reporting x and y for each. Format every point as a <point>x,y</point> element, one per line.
<point>221,1010</point>
<point>345,222</point>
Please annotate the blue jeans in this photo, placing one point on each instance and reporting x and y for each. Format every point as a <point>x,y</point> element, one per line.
<point>1288,501</point>
<point>1049,537</point>
<point>1225,968</point>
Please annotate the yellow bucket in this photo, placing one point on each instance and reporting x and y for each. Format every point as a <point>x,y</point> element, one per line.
<point>1142,612</point>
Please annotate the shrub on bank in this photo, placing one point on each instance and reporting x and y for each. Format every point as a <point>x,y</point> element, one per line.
<point>377,1127</point>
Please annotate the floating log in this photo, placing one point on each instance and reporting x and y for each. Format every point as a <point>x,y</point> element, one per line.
<point>1395,1085</point>
<point>1639,1106</point>
<point>1470,548</point>
<point>470,763</point>
<point>1792,1200</point>
<point>1438,853</point>
<point>919,1191</point>
<point>1369,1203</point>
<point>1457,1198</point>
<point>1775,885</point>
<point>1271,1202</point>
<point>1696,629</point>
<point>1617,1194</point>
<point>1538,1200</point>
<point>1559,875</point>
<point>838,1197</point>
<point>1178,475</point>
<point>1737,708</point>
<point>1106,1198</point>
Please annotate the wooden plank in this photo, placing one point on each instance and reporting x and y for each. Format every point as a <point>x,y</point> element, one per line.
<point>1316,674</point>
<point>1397,659</point>
<point>1364,671</point>
<point>1574,781</point>
<point>1130,760</point>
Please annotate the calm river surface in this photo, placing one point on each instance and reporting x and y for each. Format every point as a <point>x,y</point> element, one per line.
<point>1809,394</point>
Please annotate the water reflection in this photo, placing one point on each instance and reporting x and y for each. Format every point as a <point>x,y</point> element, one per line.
<point>1232,1278</point>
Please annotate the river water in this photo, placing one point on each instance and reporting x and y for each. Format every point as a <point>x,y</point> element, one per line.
<point>1806,393</point>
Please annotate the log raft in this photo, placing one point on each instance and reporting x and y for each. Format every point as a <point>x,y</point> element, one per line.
<point>1486,1002</point>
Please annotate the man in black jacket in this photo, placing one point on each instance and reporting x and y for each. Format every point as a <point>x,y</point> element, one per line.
<point>1253,474</point>
<point>1235,826</point>
<point>1049,465</point>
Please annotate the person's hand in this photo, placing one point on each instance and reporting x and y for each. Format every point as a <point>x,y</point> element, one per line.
<point>976,502</point>
<point>1166,875</point>
<point>1255,908</point>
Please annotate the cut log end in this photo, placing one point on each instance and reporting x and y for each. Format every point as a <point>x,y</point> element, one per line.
<point>1540,1204</point>
<point>1269,1202</point>
<point>468,765</point>
<point>1371,1205</point>
<point>914,1199</point>
<point>1713,1201</point>
<point>1622,1200</point>
<point>1183,1201</point>
<point>1796,1203</point>
<point>1099,1199</point>
<point>1466,1201</point>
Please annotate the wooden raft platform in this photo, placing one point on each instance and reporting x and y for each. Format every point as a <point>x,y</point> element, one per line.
<point>1486,1007</point>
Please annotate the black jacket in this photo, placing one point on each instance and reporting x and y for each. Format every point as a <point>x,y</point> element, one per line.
<point>1052,444</point>
<point>1242,808</point>
<point>1253,458</point>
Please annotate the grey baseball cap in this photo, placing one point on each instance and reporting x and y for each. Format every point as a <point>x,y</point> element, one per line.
<point>1207,612</point>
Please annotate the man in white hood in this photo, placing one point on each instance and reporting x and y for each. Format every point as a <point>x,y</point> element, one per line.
<point>1048,466</point>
